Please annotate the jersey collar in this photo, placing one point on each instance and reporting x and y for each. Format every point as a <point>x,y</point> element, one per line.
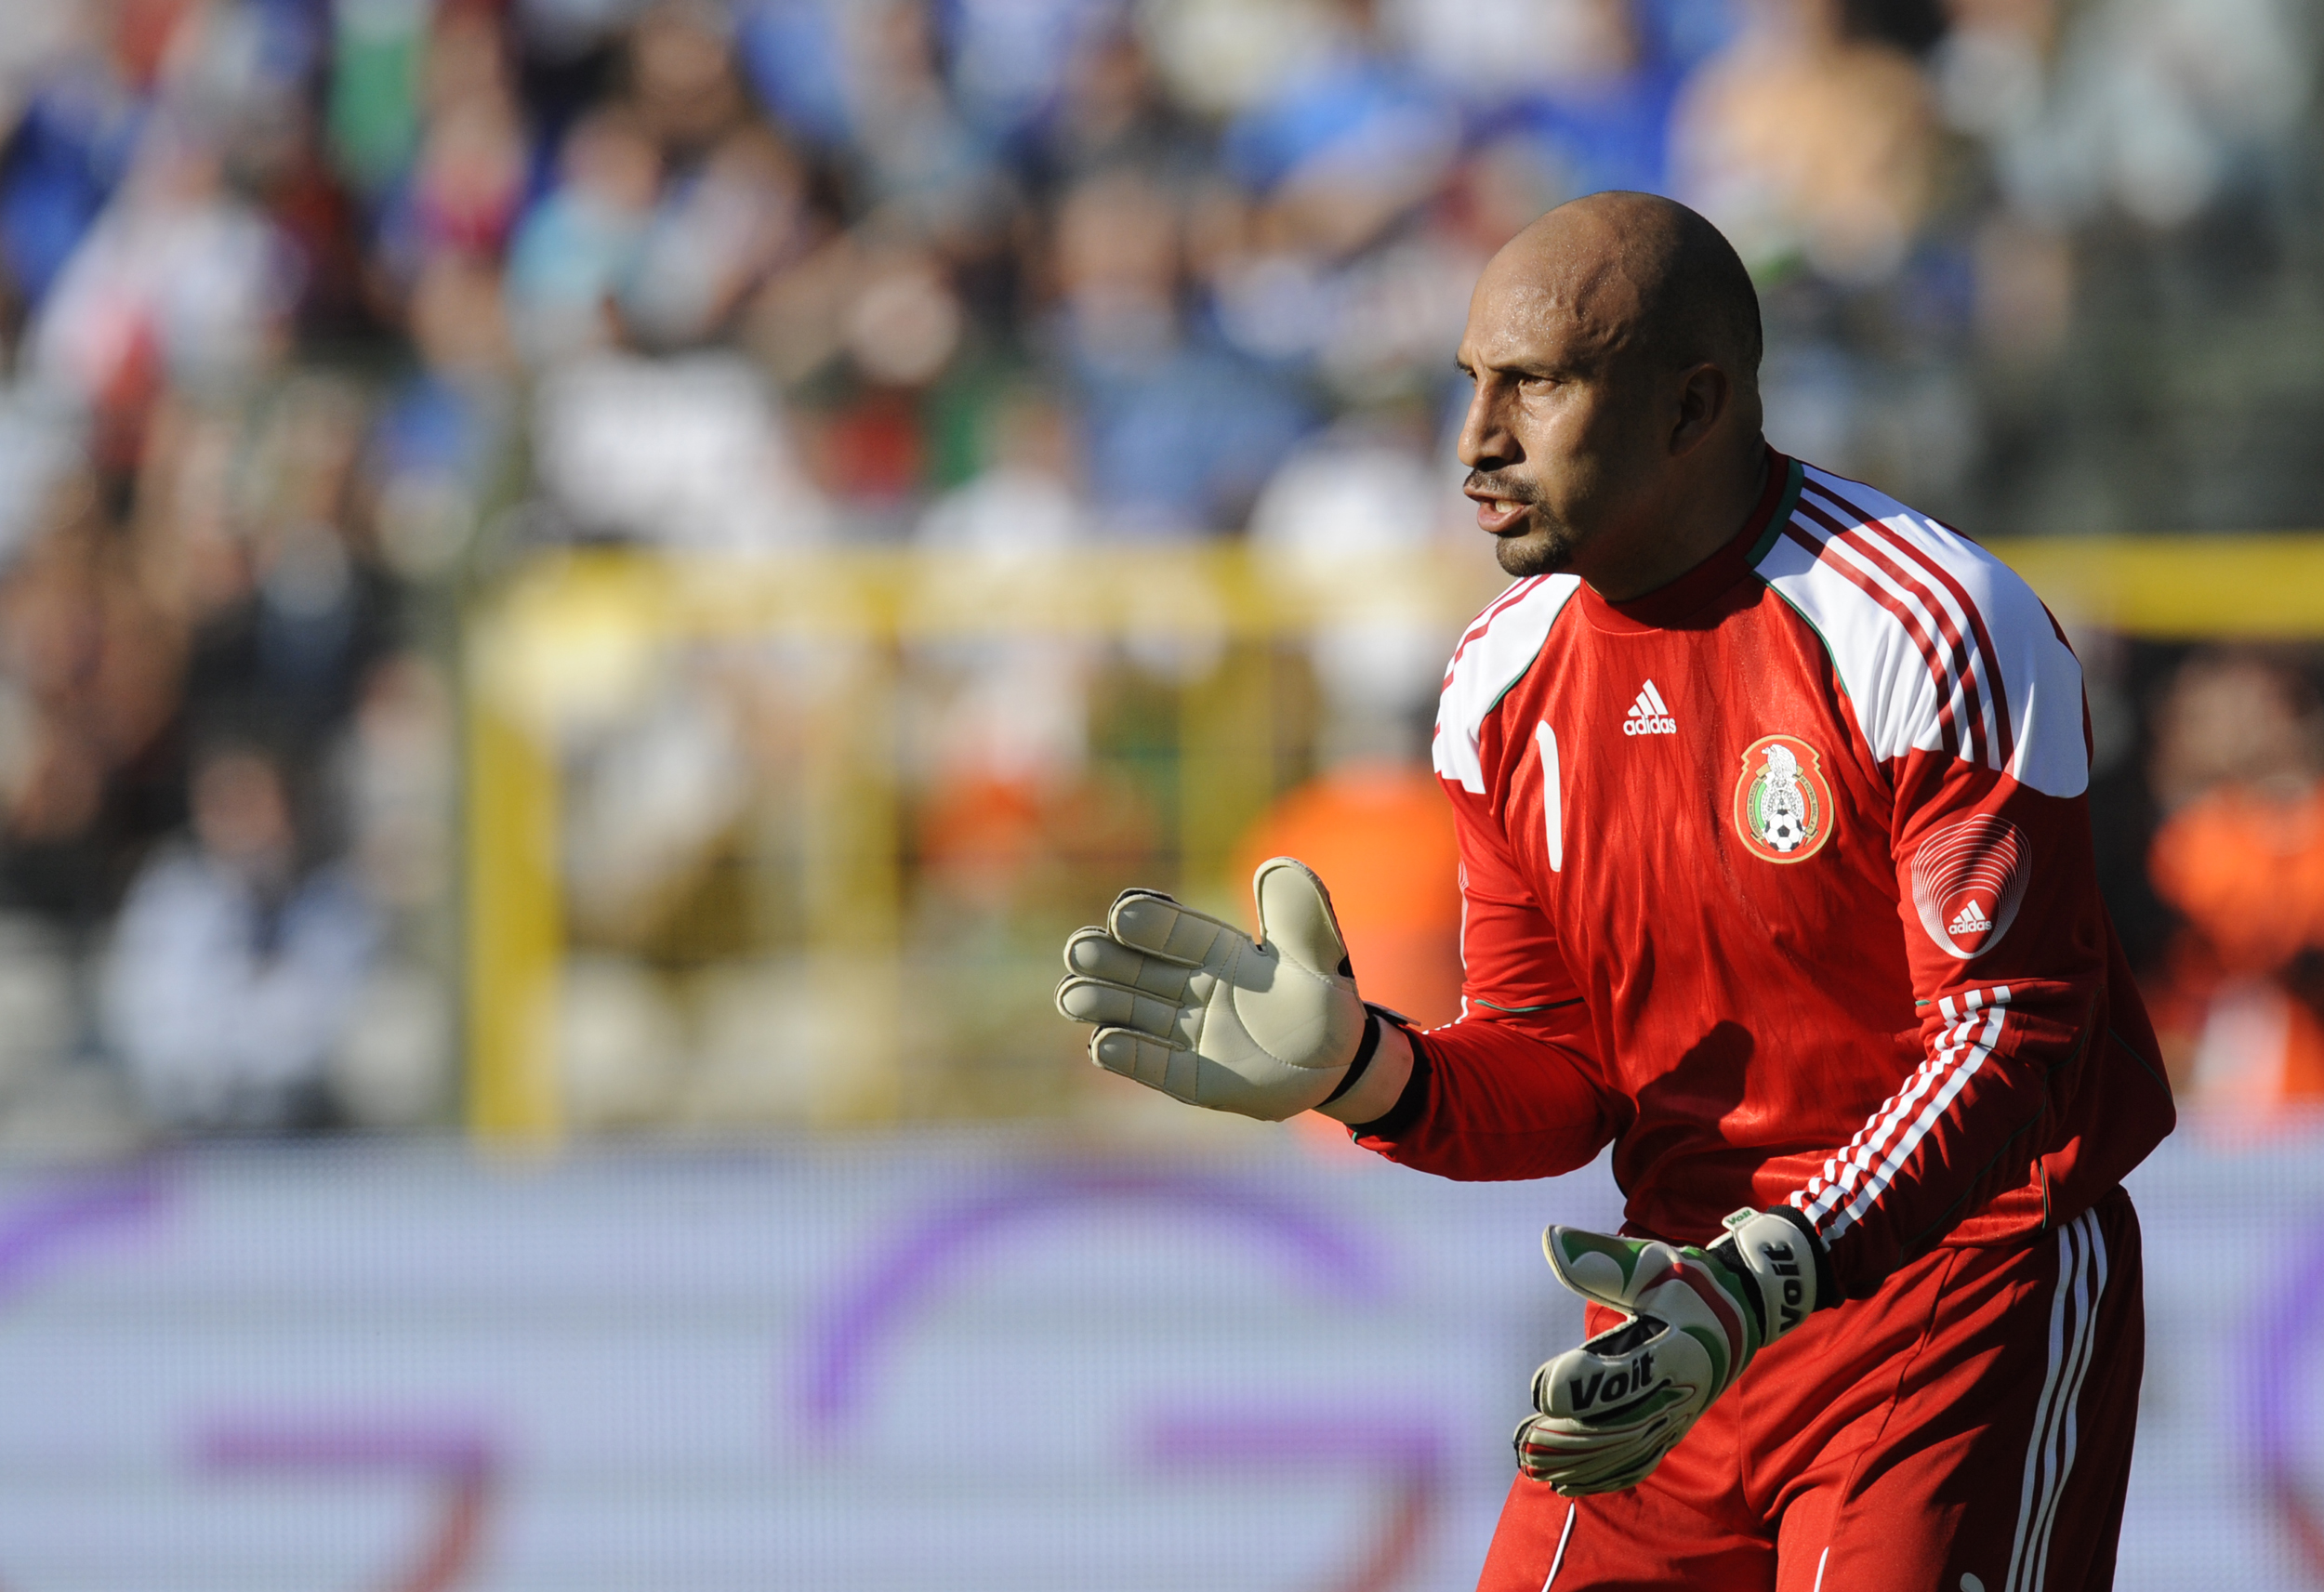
<point>1666,605</point>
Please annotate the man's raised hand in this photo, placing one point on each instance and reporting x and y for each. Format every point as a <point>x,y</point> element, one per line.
<point>1193,1008</point>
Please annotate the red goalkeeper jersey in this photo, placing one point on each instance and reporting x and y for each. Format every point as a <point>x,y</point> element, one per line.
<point>1780,879</point>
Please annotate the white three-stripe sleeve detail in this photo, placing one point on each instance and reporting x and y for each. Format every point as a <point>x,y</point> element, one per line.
<point>1552,796</point>
<point>1829,1187</point>
<point>1900,681</point>
<point>1840,1172</point>
<point>1963,690</point>
<point>1557,1560</point>
<point>1874,543</point>
<point>1938,1080</point>
<point>1847,1171</point>
<point>1955,1081</point>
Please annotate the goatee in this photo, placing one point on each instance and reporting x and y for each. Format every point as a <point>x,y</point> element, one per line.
<point>1538,552</point>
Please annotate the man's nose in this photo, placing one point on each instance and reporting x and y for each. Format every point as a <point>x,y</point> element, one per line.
<point>1485,442</point>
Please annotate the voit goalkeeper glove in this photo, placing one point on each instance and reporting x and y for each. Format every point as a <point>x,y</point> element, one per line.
<point>1608,1411</point>
<point>1196,1008</point>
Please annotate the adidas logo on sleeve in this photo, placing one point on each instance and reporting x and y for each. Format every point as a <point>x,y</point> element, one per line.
<point>1970,919</point>
<point>1648,715</point>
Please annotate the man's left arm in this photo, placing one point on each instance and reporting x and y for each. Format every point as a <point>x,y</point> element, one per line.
<point>2010,948</point>
<point>2006,942</point>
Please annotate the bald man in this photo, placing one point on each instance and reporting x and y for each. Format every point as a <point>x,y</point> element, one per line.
<point>1777,877</point>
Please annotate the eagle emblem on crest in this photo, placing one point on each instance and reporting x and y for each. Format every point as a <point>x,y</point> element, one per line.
<point>1783,804</point>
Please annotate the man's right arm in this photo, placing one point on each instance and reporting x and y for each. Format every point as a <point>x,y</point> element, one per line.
<point>1509,1090</point>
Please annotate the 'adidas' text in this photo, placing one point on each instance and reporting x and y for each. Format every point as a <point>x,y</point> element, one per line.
<point>1970,919</point>
<point>1648,717</point>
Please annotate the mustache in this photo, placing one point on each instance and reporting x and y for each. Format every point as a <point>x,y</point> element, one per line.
<point>1481,483</point>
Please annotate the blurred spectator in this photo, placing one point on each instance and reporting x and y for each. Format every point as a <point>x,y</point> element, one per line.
<point>1024,507</point>
<point>179,281</point>
<point>653,801</point>
<point>1010,735</point>
<point>400,782</point>
<point>683,453</point>
<point>91,666</point>
<point>2239,766</point>
<point>1802,140</point>
<point>1109,110</point>
<point>1381,833</point>
<point>441,438</point>
<point>2153,105</point>
<point>1496,50</point>
<point>1221,56</point>
<point>238,960</point>
<point>715,238</point>
<point>469,173</point>
<point>580,245</point>
<point>1334,519</point>
<point>289,648</point>
<point>1178,436</point>
<point>75,126</point>
<point>683,76</point>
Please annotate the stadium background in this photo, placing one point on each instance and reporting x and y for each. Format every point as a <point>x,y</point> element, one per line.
<point>588,588</point>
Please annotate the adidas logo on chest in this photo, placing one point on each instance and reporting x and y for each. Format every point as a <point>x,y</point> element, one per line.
<point>1970,919</point>
<point>1648,715</point>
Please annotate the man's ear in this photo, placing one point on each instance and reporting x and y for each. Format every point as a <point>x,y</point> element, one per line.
<point>1705,396</point>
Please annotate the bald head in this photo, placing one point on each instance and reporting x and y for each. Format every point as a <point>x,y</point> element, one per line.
<point>1644,275</point>
<point>1615,344</point>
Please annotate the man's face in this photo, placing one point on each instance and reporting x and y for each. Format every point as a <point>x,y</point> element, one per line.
<point>1561,438</point>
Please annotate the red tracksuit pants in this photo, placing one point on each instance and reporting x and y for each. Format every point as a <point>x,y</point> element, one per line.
<point>1966,1429</point>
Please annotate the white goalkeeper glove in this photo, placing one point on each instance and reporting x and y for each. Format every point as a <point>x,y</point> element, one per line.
<point>1609,1410</point>
<point>1190,1005</point>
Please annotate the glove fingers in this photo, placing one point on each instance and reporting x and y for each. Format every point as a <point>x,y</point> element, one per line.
<point>1295,917</point>
<point>1624,1468</point>
<point>1094,954</point>
<point>1608,1478</point>
<point>1601,1267</point>
<point>1086,1000</point>
<point>1577,1462</point>
<point>1159,927</point>
<point>1145,1060</point>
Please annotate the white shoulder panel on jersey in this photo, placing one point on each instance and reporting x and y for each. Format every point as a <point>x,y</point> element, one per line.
<point>1940,645</point>
<point>1495,651</point>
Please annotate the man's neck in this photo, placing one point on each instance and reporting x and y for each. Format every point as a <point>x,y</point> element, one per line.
<point>1705,521</point>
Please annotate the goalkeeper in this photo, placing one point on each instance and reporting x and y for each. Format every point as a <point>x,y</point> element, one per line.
<point>1776,874</point>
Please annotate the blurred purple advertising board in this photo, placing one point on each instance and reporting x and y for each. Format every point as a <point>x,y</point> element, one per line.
<point>982,1363</point>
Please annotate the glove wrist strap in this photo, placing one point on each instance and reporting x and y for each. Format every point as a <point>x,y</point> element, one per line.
<point>1366,1049</point>
<point>1752,1273</point>
<point>1826,1287</point>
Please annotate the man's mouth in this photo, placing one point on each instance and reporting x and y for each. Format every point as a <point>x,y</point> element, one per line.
<point>1499,516</point>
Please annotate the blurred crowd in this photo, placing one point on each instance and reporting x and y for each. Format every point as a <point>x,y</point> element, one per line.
<point>316,316</point>
<point>2236,982</point>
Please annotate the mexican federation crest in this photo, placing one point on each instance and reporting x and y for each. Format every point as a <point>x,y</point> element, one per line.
<point>1783,804</point>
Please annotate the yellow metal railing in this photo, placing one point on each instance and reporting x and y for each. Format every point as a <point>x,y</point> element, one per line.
<point>573,629</point>
<point>2181,589</point>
